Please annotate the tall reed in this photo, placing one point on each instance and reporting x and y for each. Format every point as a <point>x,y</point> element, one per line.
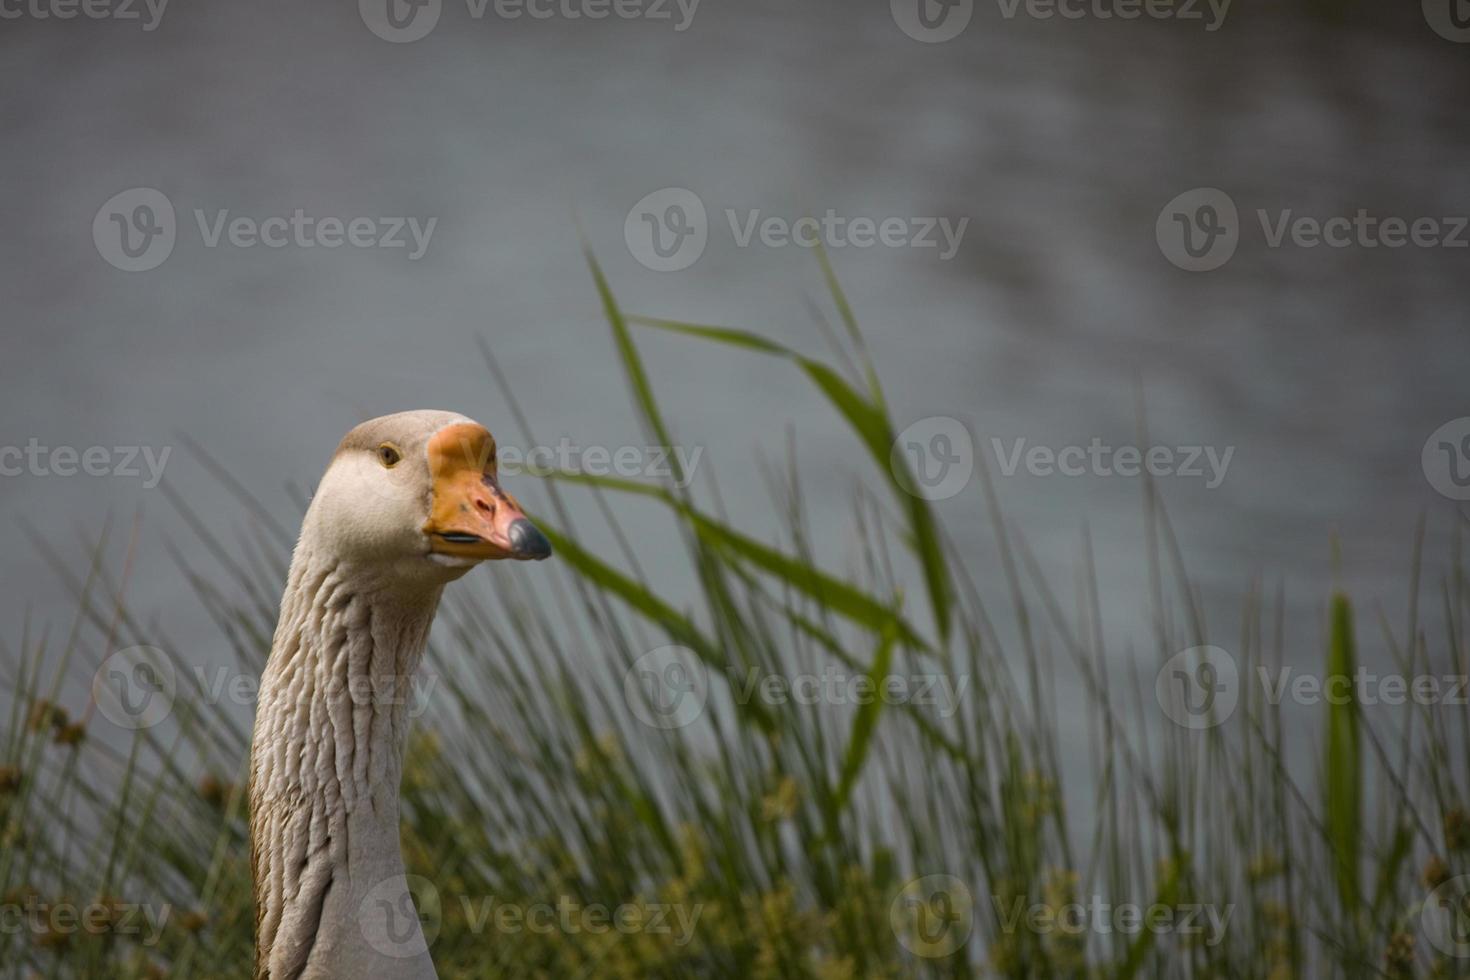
<point>769,838</point>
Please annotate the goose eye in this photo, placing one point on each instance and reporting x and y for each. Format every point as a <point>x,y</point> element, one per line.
<point>389,455</point>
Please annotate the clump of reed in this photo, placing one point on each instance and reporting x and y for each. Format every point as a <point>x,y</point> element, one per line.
<point>801,841</point>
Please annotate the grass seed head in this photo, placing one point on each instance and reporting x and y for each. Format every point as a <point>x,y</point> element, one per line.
<point>1436,872</point>
<point>1457,829</point>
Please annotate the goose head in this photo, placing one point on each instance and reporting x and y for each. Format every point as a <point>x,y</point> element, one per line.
<point>416,497</point>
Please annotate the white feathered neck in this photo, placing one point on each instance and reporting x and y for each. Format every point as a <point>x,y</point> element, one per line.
<point>331,898</point>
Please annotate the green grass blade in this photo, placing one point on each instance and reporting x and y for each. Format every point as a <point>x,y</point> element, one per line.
<point>872,425</point>
<point>1344,755</point>
<point>849,320</point>
<point>1139,949</point>
<point>643,600</point>
<point>633,364</point>
<point>833,593</point>
<point>864,724</point>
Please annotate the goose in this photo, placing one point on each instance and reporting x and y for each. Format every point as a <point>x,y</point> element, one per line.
<point>409,503</point>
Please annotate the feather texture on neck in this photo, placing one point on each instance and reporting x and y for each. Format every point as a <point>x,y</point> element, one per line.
<point>331,899</point>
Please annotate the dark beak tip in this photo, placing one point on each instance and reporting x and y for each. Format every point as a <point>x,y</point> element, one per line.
<point>527,541</point>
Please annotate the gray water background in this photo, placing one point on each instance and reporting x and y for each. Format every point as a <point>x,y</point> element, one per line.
<point>1325,369</point>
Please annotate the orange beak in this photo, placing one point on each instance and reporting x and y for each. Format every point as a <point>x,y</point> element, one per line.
<point>470,516</point>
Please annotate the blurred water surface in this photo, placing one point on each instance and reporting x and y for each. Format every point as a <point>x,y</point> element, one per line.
<point>1325,369</point>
